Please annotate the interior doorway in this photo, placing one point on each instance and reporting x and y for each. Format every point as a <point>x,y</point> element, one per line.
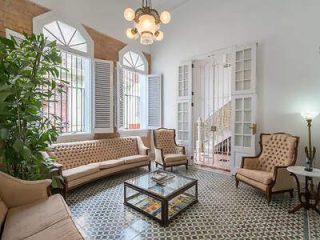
<point>212,110</point>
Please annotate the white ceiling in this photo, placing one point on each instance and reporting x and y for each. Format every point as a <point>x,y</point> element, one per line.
<point>160,4</point>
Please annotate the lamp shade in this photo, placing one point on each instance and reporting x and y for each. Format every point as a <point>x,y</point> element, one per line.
<point>129,14</point>
<point>309,115</point>
<point>159,35</point>
<point>130,33</point>
<point>165,17</point>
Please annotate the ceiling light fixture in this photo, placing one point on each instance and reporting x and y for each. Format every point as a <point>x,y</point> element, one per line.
<point>146,23</point>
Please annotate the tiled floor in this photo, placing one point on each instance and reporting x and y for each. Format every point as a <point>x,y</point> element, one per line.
<point>223,212</point>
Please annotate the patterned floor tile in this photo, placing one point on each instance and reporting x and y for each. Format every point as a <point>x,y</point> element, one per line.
<point>223,212</point>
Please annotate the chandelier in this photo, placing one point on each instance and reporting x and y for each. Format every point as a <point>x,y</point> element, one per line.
<point>146,23</point>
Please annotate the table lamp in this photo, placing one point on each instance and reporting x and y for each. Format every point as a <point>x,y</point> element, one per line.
<point>310,150</point>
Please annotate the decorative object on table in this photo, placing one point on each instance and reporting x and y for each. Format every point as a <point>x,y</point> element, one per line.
<point>160,202</point>
<point>309,199</point>
<point>267,172</point>
<point>147,22</point>
<point>25,128</point>
<point>162,177</point>
<point>167,152</point>
<point>310,150</point>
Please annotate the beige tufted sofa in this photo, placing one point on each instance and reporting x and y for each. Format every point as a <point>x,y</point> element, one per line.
<point>267,171</point>
<point>28,212</point>
<point>81,162</point>
<point>167,152</point>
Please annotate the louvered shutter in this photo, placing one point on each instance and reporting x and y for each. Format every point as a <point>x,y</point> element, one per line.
<point>120,97</point>
<point>103,96</point>
<point>154,101</point>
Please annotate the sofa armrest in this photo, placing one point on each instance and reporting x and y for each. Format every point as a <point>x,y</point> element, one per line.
<point>158,155</point>
<point>143,150</point>
<point>180,149</point>
<point>16,192</point>
<point>250,163</point>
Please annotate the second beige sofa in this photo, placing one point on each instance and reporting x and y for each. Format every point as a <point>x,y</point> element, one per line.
<point>86,161</point>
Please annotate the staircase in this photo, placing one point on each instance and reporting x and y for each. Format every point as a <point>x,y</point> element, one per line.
<point>214,136</point>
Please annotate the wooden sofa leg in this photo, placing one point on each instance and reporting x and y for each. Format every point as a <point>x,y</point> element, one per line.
<point>65,192</point>
<point>156,164</point>
<point>149,167</point>
<point>269,196</point>
<point>237,183</point>
<point>291,193</point>
<point>186,166</point>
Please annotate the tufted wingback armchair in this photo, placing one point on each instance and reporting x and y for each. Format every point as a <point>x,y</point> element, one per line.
<point>267,171</point>
<point>167,152</point>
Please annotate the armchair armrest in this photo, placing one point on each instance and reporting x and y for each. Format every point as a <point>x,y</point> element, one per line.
<point>143,150</point>
<point>249,163</point>
<point>158,155</point>
<point>15,192</point>
<point>279,170</point>
<point>180,149</point>
<point>282,179</point>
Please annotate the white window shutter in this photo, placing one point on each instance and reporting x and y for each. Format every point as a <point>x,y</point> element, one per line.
<point>154,101</point>
<point>120,97</point>
<point>103,96</point>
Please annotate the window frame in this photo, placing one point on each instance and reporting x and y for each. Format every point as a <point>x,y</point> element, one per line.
<point>144,91</point>
<point>38,23</point>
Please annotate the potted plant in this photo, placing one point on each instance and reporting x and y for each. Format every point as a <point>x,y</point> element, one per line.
<point>25,87</point>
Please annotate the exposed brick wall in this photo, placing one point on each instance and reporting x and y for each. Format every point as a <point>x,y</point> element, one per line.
<point>17,15</point>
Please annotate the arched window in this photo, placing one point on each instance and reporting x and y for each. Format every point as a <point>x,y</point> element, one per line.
<point>73,105</point>
<point>134,68</point>
<point>133,61</point>
<point>65,35</point>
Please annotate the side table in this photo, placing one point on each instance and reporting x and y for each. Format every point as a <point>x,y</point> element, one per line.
<point>309,197</point>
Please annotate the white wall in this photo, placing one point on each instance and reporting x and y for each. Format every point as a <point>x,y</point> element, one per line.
<point>288,58</point>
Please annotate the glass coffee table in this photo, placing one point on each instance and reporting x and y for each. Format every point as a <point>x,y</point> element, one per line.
<point>160,201</point>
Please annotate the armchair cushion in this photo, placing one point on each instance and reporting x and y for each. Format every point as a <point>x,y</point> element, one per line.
<point>135,159</point>
<point>174,157</point>
<point>3,212</point>
<point>264,177</point>
<point>82,171</point>
<point>25,221</point>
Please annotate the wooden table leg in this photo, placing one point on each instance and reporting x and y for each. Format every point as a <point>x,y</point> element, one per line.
<point>302,204</point>
<point>296,208</point>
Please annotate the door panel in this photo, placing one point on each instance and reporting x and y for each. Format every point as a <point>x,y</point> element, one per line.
<point>184,107</point>
<point>244,104</point>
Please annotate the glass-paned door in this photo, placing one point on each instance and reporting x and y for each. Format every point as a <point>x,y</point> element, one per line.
<point>243,104</point>
<point>184,107</point>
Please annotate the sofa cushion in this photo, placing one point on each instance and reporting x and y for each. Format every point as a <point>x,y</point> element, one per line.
<point>256,175</point>
<point>78,172</point>
<point>174,157</point>
<point>111,163</point>
<point>27,220</point>
<point>135,159</point>
<point>3,212</point>
<point>65,229</point>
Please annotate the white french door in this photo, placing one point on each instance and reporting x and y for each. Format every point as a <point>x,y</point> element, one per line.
<point>184,107</point>
<point>244,104</point>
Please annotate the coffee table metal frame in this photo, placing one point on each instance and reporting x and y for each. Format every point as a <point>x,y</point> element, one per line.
<point>164,221</point>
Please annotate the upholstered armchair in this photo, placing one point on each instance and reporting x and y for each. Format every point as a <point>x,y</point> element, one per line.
<point>167,152</point>
<point>267,172</point>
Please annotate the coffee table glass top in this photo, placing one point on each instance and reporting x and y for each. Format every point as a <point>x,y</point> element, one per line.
<point>173,184</point>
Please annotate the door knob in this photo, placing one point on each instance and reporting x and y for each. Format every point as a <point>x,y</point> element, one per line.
<point>253,127</point>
